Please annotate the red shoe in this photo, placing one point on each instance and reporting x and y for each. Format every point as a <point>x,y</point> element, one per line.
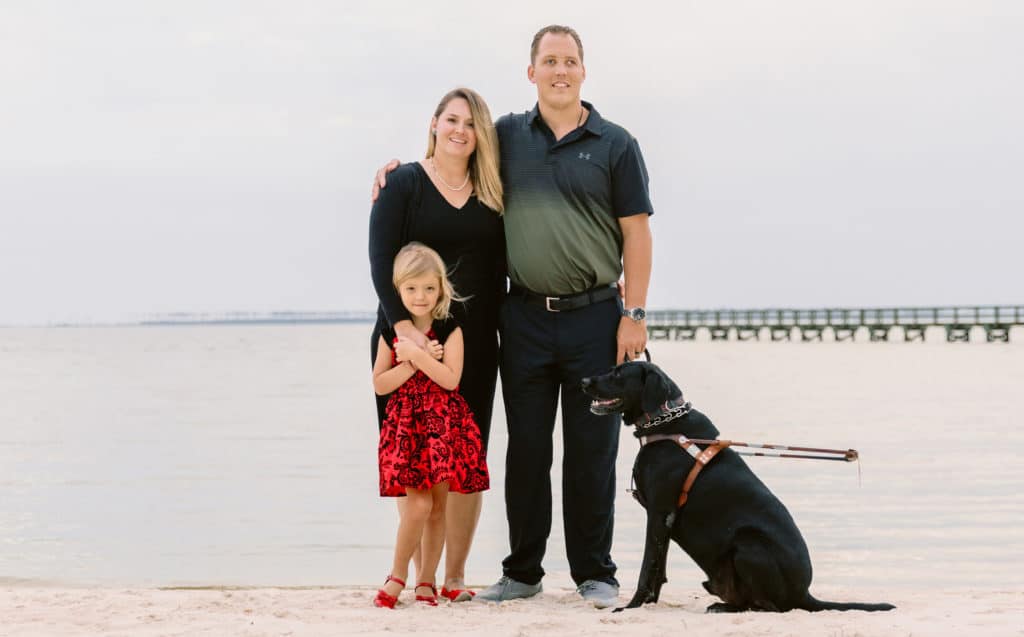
<point>383,600</point>
<point>429,600</point>
<point>457,594</point>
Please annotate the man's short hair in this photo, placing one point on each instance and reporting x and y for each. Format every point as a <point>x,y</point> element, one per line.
<point>555,28</point>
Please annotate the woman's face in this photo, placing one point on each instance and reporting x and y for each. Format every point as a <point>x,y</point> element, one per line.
<point>455,133</point>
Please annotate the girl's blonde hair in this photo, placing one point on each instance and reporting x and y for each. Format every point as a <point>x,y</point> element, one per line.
<point>483,164</point>
<point>416,259</point>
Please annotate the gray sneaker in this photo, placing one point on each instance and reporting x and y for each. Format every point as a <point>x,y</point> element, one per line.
<point>507,588</point>
<point>600,594</point>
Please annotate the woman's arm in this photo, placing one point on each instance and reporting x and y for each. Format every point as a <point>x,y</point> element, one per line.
<point>406,329</point>
<point>387,220</point>
<point>445,372</point>
<point>386,378</point>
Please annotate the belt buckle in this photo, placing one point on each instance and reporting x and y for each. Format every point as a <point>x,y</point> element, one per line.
<point>547,303</point>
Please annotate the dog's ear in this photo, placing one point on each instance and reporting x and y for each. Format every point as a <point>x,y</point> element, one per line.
<point>655,391</point>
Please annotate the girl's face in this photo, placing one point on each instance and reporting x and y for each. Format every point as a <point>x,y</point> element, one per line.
<point>420,294</point>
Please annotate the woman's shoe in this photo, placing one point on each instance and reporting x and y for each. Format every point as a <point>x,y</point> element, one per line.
<point>429,600</point>
<point>457,594</point>
<point>383,600</point>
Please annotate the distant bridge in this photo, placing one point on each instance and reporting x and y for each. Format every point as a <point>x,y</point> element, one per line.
<point>878,323</point>
<point>250,318</point>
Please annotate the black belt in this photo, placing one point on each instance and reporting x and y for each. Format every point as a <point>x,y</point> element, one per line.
<point>567,302</point>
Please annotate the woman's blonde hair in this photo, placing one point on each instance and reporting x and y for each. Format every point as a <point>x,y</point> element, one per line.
<point>416,259</point>
<point>483,164</point>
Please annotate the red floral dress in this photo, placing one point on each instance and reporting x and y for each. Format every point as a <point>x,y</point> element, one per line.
<point>429,436</point>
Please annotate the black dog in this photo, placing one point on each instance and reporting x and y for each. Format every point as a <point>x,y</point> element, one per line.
<point>732,526</point>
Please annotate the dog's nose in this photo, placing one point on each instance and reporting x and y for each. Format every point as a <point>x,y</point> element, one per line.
<point>586,383</point>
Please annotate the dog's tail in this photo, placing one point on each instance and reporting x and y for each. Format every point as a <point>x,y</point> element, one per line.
<point>812,604</point>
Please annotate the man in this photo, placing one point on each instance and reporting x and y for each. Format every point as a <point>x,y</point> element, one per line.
<point>576,218</point>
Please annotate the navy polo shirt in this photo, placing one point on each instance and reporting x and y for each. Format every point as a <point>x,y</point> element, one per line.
<point>563,200</point>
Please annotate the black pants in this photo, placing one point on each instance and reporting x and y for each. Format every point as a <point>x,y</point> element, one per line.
<point>543,354</point>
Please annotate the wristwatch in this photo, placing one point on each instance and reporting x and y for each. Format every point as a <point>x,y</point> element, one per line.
<point>636,313</point>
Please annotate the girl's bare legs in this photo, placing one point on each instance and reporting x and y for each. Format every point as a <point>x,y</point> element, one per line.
<point>416,511</point>
<point>433,537</point>
<point>460,527</point>
<point>417,556</point>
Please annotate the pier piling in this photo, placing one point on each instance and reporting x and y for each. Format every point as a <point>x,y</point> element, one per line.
<point>997,322</point>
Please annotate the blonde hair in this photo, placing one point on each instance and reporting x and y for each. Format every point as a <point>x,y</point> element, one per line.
<point>483,164</point>
<point>416,259</point>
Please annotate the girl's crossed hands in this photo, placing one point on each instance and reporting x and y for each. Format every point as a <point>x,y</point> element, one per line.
<point>435,349</point>
<point>407,350</point>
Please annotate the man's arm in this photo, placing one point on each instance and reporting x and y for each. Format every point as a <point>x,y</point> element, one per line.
<point>632,204</point>
<point>637,248</point>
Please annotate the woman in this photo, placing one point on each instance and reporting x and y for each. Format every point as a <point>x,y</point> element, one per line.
<point>452,202</point>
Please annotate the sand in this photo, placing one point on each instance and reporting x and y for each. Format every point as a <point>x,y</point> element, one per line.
<point>347,611</point>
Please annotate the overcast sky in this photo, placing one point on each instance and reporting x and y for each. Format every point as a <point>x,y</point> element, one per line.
<point>212,156</point>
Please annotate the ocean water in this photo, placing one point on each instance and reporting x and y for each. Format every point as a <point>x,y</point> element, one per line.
<point>246,455</point>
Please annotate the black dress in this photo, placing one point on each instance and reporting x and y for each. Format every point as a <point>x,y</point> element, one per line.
<point>472,243</point>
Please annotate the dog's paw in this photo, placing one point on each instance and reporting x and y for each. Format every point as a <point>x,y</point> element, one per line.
<point>722,607</point>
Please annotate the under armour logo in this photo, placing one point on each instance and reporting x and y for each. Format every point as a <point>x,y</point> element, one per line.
<point>585,156</point>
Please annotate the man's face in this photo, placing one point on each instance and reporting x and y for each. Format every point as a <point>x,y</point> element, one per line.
<point>557,70</point>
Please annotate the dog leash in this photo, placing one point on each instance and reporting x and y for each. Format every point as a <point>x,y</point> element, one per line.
<point>647,355</point>
<point>776,451</point>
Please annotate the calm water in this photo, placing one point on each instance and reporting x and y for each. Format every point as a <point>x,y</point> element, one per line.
<point>246,455</point>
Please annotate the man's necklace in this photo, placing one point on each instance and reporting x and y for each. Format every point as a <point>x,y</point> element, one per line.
<point>450,187</point>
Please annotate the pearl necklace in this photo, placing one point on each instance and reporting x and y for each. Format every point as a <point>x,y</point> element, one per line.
<point>450,187</point>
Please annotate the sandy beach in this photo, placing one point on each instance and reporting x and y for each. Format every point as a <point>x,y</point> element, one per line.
<point>346,611</point>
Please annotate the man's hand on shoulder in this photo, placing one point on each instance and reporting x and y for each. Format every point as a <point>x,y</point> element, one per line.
<point>380,180</point>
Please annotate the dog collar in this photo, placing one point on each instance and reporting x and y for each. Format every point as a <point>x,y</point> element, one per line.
<point>671,410</point>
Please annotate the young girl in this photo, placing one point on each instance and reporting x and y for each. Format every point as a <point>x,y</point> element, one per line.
<point>429,443</point>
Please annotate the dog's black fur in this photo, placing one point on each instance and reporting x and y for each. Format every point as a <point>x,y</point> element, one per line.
<point>732,526</point>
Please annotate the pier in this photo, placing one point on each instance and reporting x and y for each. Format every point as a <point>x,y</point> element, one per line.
<point>840,324</point>
<point>844,324</point>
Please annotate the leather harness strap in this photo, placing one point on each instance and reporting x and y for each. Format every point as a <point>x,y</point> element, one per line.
<point>701,458</point>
